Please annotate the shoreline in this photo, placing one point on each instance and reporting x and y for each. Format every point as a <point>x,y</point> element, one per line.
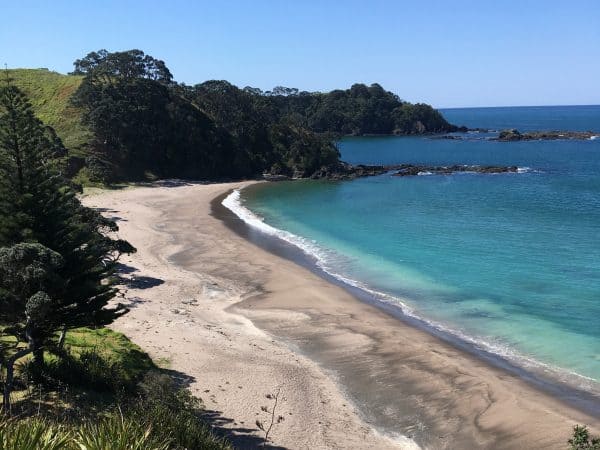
<point>181,318</point>
<point>229,315</point>
<point>565,386</point>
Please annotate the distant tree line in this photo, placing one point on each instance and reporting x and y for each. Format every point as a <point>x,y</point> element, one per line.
<point>359,110</point>
<point>145,125</point>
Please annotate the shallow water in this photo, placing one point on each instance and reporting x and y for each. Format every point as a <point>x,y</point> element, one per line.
<point>510,262</point>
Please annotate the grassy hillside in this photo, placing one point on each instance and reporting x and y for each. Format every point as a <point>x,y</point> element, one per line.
<point>49,93</point>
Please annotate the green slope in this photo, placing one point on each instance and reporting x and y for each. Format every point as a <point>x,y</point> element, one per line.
<point>50,93</point>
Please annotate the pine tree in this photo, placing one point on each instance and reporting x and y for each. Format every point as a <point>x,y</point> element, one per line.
<point>29,278</point>
<point>39,206</point>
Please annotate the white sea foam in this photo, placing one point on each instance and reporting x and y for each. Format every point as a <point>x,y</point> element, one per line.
<point>593,138</point>
<point>325,258</point>
<point>425,173</point>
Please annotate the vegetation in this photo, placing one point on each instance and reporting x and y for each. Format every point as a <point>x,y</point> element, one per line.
<point>356,111</point>
<point>147,412</point>
<point>582,440</point>
<point>56,258</point>
<point>146,126</point>
<point>50,95</point>
<point>266,426</point>
<point>123,118</point>
<point>86,387</point>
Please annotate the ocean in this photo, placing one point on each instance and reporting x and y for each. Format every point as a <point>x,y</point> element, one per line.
<point>507,263</point>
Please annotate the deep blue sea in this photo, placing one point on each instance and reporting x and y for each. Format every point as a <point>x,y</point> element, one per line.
<point>508,262</point>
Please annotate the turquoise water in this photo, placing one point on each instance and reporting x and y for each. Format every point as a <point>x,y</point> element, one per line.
<point>509,261</point>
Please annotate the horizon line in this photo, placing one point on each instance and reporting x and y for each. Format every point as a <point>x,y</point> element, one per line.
<point>517,106</point>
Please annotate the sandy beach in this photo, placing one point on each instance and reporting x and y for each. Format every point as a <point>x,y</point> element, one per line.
<point>236,322</point>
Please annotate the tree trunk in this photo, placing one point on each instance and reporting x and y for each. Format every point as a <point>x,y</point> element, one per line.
<point>10,378</point>
<point>61,339</point>
<point>8,385</point>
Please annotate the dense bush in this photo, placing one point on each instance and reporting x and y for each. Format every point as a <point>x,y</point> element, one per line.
<point>146,124</point>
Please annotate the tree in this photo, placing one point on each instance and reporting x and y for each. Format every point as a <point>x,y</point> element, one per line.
<point>146,126</point>
<point>103,66</point>
<point>28,281</point>
<point>71,246</point>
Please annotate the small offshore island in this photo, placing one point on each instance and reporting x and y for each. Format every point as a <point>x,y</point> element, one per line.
<point>143,309</point>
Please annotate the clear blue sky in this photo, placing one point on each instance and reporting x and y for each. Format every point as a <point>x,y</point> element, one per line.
<point>447,53</point>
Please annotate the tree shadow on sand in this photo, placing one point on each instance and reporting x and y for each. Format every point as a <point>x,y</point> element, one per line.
<point>142,282</point>
<point>135,281</point>
<point>241,437</point>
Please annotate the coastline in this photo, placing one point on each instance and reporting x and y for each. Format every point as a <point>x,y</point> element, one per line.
<point>181,317</point>
<point>402,378</point>
<point>577,390</point>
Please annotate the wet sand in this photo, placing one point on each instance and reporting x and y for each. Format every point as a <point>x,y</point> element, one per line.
<point>374,372</point>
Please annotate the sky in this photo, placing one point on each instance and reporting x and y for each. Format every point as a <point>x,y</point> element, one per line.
<point>447,53</point>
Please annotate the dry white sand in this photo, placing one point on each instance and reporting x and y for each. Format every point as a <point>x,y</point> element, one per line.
<point>228,317</point>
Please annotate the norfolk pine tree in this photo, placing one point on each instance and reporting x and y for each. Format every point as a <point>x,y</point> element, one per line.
<point>39,209</point>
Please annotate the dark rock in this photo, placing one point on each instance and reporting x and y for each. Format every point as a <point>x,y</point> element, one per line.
<point>407,170</point>
<point>345,171</point>
<point>277,177</point>
<point>515,135</point>
<point>510,135</point>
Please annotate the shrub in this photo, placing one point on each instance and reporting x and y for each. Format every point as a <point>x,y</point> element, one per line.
<point>88,370</point>
<point>33,434</point>
<point>117,432</point>
<point>582,440</point>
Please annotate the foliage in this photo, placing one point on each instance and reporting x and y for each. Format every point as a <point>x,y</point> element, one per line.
<point>99,360</point>
<point>117,432</point>
<point>57,259</point>
<point>152,411</point>
<point>582,440</point>
<point>33,434</point>
<point>112,346</point>
<point>123,117</point>
<point>356,111</point>
<point>143,122</point>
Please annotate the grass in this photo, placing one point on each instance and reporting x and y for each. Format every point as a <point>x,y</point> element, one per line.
<point>111,346</point>
<point>96,369</point>
<point>50,94</point>
<point>103,392</point>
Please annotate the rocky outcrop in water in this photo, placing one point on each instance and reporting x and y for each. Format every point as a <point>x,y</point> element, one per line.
<point>516,135</point>
<point>407,170</point>
<point>513,135</point>
<point>345,171</point>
